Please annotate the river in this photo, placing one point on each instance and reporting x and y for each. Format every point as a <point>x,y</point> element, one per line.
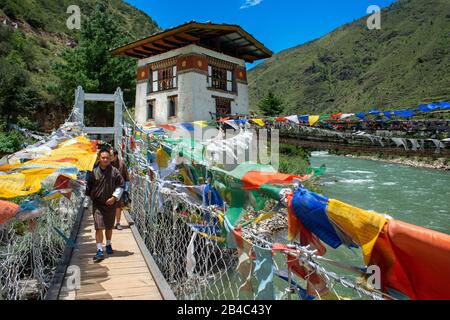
<point>414,195</point>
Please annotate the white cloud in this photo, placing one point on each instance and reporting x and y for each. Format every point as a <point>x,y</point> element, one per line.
<point>250,3</point>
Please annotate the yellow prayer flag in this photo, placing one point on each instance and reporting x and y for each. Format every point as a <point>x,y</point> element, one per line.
<point>51,197</point>
<point>162,158</point>
<point>313,119</point>
<point>26,178</point>
<point>259,122</point>
<point>22,184</point>
<point>201,124</point>
<point>361,225</point>
<point>263,217</point>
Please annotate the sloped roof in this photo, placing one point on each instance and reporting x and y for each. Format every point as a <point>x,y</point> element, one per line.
<point>226,38</point>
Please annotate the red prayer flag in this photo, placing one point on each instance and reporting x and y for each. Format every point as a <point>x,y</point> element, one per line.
<point>337,115</point>
<point>413,260</point>
<point>255,179</point>
<point>7,211</point>
<point>167,127</point>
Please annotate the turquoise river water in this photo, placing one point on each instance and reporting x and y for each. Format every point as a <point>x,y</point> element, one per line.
<point>414,195</point>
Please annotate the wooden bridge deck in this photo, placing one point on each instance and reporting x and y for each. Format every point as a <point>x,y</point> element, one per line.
<point>122,276</point>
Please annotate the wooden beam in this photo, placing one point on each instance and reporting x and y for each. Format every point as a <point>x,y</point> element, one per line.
<point>145,53</point>
<point>138,54</point>
<point>150,46</point>
<point>249,58</point>
<point>186,36</point>
<point>172,43</point>
<point>132,54</point>
<point>251,51</point>
<point>149,50</point>
<point>174,39</point>
<point>247,45</point>
<point>164,43</point>
<point>163,48</point>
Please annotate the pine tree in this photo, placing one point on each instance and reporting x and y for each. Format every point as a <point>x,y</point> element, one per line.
<point>271,105</point>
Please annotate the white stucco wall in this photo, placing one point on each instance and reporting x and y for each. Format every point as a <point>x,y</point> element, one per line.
<point>195,100</point>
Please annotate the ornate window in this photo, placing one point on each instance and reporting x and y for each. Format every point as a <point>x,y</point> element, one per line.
<point>164,79</point>
<point>220,78</point>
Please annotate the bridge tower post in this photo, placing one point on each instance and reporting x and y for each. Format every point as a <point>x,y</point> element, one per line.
<point>116,98</point>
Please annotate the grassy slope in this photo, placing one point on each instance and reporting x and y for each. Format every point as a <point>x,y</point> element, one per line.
<point>353,68</point>
<point>43,23</point>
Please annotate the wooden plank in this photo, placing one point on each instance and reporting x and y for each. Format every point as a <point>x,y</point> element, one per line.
<point>123,275</point>
<point>122,265</point>
<point>107,284</point>
<point>113,272</point>
<point>106,296</point>
<point>117,264</point>
<point>88,258</point>
<point>138,298</point>
<point>120,292</point>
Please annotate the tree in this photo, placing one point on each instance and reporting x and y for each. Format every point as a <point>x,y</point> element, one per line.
<point>91,65</point>
<point>17,94</point>
<point>271,105</point>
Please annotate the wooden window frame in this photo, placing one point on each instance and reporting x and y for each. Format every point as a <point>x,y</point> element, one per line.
<point>163,79</point>
<point>222,100</point>
<point>153,103</point>
<point>218,79</point>
<point>169,100</point>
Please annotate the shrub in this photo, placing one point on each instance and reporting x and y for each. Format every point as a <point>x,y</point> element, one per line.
<point>11,142</point>
<point>293,165</point>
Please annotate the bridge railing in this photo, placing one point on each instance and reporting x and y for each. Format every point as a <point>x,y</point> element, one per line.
<point>32,252</point>
<point>193,263</point>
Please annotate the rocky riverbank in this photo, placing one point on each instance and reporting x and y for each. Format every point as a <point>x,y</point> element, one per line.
<point>276,223</point>
<point>438,164</point>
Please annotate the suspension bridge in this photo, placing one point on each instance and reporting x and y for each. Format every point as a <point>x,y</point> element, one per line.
<point>129,274</point>
<point>194,228</point>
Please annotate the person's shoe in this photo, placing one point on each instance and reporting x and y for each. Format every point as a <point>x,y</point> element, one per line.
<point>109,249</point>
<point>119,227</point>
<point>99,256</point>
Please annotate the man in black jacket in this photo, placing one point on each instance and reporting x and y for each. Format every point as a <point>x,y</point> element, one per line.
<point>105,188</point>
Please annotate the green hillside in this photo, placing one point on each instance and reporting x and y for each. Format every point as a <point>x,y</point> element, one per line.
<point>355,69</point>
<point>29,52</point>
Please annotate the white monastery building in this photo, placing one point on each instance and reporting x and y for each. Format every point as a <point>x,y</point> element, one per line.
<point>193,72</point>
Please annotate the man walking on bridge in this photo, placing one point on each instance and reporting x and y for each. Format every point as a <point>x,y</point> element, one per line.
<point>104,187</point>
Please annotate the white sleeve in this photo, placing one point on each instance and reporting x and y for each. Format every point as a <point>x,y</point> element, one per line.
<point>87,202</point>
<point>118,193</point>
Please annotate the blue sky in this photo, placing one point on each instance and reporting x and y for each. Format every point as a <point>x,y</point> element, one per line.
<point>278,24</point>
